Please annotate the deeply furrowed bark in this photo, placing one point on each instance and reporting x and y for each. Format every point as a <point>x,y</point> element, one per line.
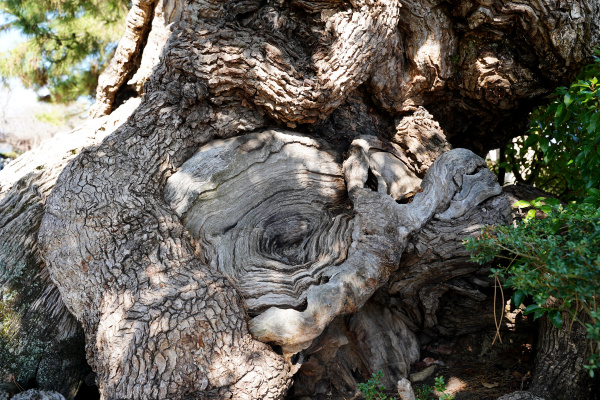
<point>41,344</point>
<point>161,310</point>
<point>154,316</point>
<point>562,354</point>
<point>477,65</point>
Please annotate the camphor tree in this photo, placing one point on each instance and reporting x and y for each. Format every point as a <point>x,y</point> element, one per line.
<point>280,204</point>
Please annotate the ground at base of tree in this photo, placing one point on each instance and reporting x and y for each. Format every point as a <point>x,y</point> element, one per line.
<point>472,367</point>
<point>477,370</point>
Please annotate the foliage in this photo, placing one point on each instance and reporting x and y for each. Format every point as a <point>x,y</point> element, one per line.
<point>561,152</point>
<point>61,115</point>
<point>440,386</point>
<point>425,391</point>
<point>556,257</point>
<point>555,260</point>
<point>69,43</point>
<point>12,155</point>
<point>373,389</point>
<point>52,118</point>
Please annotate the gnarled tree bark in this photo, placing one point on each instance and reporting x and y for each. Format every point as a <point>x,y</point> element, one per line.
<point>277,180</point>
<point>41,344</point>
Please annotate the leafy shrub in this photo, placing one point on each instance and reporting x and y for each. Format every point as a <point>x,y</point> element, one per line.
<point>425,391</point>
<point>554,257</point>
<point>373,389</point>
<point>557,257</point>
<point>561,151</point>
<point>440,386</point>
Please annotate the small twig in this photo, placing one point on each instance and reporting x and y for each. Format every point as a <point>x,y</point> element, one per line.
<point>17,384</point>
<point>498,324</point>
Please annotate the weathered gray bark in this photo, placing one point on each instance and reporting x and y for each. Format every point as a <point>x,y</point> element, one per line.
<point>381,336</point>
<point>276,239</point>
<point>520,395</point>
<point>169,313</point>
<point>41,344</point>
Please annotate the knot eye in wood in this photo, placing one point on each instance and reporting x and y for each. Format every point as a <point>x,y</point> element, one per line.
<point>269,210</point>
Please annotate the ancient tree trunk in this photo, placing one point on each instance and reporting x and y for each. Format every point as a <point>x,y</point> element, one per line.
<point>561,356</point>
<point>277,173</point>
<point>41,343</point>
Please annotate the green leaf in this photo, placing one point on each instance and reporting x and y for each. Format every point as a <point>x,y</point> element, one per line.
<point>544,143</point>
<point>518,298</point>
<point>531,139</point>
<point>546,209</point>
<point>530,215</point>
<point>559,113</point>
<point>580,85</point>
<point>552,202</point>
<point>531,308</point>
<point>538,313</point>
<point>522,203</point>
<point>568,100</point>
<point>556,318</point>
<point>593,124</point>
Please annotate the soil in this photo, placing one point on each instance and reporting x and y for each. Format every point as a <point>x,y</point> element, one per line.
<point>474,369</point>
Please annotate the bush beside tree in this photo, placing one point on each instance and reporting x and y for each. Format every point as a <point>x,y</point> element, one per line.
<point>554,260</point>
